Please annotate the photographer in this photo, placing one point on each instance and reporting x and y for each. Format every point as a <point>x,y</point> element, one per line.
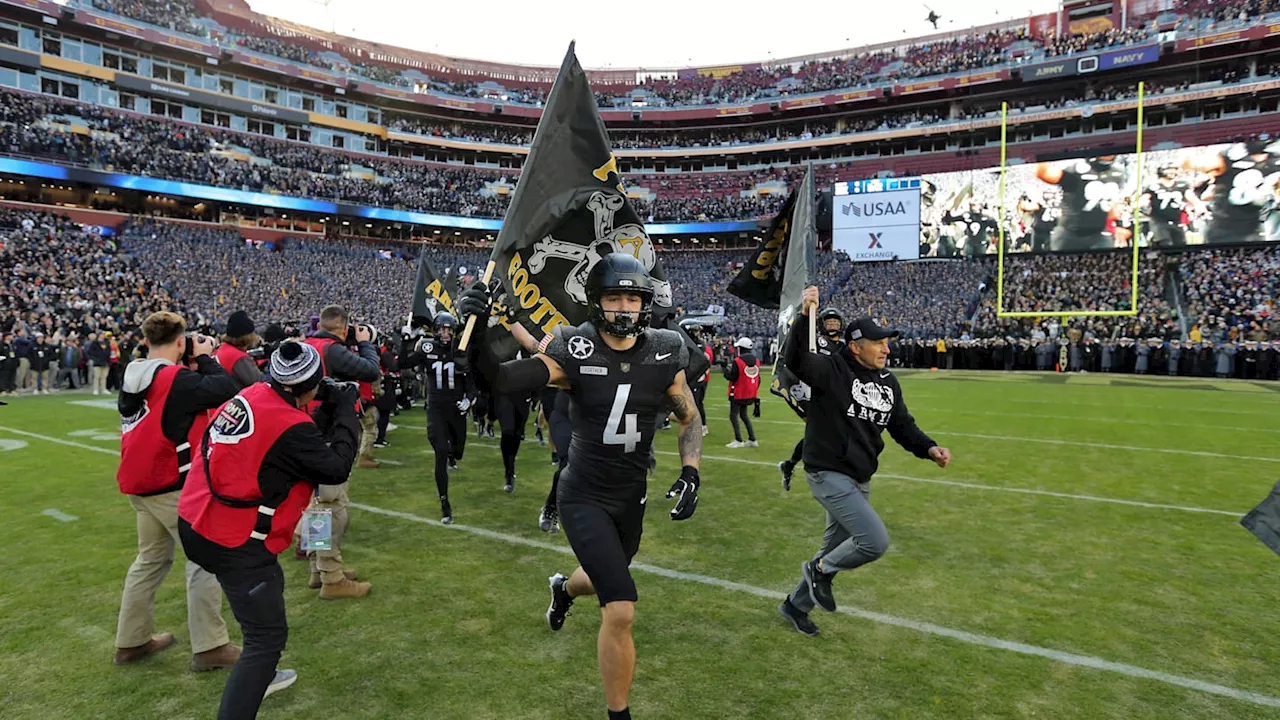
<point>163,408</point>
<point>349,364</point>
<point>261,462</point>
<point>743,374</point>
<point>237,342</point>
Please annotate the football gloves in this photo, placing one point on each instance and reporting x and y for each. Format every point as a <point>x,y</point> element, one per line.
<point>685,491</point>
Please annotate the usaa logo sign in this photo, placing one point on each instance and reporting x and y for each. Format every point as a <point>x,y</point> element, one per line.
<point>874,209</point>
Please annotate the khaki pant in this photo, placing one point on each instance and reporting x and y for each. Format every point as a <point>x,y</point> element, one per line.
<point>157,537</point>
<point>329,562</point>
<point>24,372</point>
<point>368,430</point>
<point>99,380</point>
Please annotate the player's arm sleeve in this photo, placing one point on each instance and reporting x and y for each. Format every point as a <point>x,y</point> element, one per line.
<point>812,368</point>
<point>903,429</point>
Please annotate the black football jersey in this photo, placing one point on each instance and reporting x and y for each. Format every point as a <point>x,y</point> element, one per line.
<point>1168,201</point>
<point>1241,191</point>
<point>1088,193</point>
<point>616,398</point>
<point>444,369</point>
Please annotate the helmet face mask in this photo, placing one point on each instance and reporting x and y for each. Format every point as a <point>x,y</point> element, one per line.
<point>443,326</point>
<point>834,330</point>
<point>619,275</point>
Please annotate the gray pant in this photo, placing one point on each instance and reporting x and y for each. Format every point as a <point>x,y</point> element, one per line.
<point>855,534</point>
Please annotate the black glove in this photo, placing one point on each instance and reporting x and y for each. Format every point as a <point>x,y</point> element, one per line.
<point>685,490</point>
<point>475,300</point>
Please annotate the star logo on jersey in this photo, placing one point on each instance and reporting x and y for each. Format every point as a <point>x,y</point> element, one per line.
<point>581,348</point>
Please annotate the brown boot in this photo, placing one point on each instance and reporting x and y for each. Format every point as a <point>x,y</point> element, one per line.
<point>366,462</point>
<point>163,641</point>
<point>315,583</point>
<point>344,589</point>
<point>299,554</point>
<point>219,658</point>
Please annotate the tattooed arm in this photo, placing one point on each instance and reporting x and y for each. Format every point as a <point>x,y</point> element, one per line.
<point>690,438</point>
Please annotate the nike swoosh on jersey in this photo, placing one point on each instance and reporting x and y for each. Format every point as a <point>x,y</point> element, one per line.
<point>662,356</point>
<point>884,375</point>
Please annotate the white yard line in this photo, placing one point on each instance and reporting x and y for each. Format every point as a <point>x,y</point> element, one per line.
<point>954,483</point>
<point>60,441</point>
<point>1085,661</point>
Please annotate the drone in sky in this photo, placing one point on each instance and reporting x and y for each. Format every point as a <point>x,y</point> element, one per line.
<point>933,17</point>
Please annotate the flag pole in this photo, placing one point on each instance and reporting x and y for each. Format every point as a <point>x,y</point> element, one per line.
<point>471,321</point>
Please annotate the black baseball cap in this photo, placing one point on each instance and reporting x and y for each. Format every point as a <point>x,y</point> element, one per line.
<point>866,328</point>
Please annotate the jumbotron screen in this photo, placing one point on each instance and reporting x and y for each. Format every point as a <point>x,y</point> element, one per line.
<point>1216,194</point>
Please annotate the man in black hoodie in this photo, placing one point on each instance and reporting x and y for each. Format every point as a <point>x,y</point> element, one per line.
<point>853,399</point>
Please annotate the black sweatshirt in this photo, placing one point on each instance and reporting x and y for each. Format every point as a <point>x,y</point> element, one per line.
<point>301,452</point>
<point>850,405</point>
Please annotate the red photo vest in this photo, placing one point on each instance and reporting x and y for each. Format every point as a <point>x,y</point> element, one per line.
<point>243,432</point>
<point>150,463</point>
<point>747,385</point>
<point>711,362</point>
<point>228,355</point>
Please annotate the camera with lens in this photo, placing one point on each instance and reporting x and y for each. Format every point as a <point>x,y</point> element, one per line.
<point>329,389</point>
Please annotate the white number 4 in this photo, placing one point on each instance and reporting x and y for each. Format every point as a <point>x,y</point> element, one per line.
<point>631,436</point>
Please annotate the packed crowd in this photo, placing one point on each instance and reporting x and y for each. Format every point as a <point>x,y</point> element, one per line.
<point>1071,43</point>
<point>77,297</point>
<point>143,146</point>
<point>1082,283</point>
<point>937,57</point>
<point>1225,10</point>
<point>1231,293</point>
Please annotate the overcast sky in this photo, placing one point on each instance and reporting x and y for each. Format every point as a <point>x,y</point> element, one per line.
<point>645,33</point>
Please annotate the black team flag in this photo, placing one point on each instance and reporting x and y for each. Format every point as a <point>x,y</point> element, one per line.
<point>569,210</point>
<point>1264,520</point>
<point>778,273</point>
<point>430,292</point>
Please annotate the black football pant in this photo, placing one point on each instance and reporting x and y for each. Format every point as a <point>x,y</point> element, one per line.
<point>447,432</point>
<point>513,414</point>
<point>699,397</point>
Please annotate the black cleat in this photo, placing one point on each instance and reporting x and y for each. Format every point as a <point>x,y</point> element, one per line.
<point>819,585</point>
<point>787,469</point>
<point>479,430</point>
<point>555,458</point>
<point>446,511</point>
<point>541,440</point>
<point>560,602</point>
<point>489,431</point>
<point>453,464</point>
<point>549,519</point>
<point>381,443</point>
<point>510,487</point>
<point>799,620</point>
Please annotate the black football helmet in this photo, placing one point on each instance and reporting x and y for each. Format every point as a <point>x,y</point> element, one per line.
<point>619,271</point>
<point>831,314</point>
<point>444,321</point>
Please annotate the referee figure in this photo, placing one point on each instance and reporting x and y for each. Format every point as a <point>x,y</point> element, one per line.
<point>853,399</point>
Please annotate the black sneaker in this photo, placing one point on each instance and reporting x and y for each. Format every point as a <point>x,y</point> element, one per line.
<point>549,519</point>
<point>799,620</point>
<point>446,511</point>
<point>787,469</point>
<point>479,430</point>
<point>819,585</point>
<point>560,602</point>
<point>380,443</point>
<point>555,458</point>
<point>489,431</point>
<point>510,487</point>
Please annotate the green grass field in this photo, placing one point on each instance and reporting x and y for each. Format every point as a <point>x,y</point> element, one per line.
<point>1081,558</point>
